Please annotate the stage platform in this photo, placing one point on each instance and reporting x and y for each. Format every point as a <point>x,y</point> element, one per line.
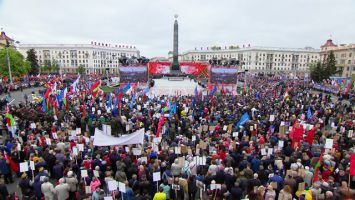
<point>169,87</point>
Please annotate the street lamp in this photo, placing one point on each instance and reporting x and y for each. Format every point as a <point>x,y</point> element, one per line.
<point>107,69</point>
<point>8,60</point>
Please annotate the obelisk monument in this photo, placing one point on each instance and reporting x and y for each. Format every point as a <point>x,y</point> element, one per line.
<point>175,67</point>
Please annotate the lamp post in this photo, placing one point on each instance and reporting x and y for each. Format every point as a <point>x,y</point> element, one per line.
<point>107,69</point>
<point>8,60</point>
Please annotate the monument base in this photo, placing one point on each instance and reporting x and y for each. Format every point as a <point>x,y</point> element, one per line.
<point>176,75</point>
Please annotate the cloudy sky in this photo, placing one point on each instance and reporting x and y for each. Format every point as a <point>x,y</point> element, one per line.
<point>148,24</point>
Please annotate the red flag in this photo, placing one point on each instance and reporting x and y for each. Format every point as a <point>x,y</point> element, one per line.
<point>67,102</point>
<point>316,174</point>
<point>95,88</point>
<point>160,123</point>
<point>14,167</point>
<point>352,165</point>
<point>223,92</point>
<point>296,134</point>
<point>119,99</point>
<point>210,87</point>
<point>48,93</point>
<point>310,136</point>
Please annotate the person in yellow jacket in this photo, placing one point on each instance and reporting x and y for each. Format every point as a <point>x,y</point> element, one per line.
<point>160,195</point>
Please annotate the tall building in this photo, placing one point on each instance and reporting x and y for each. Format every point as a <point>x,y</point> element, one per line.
<point>259,59</point>
<point>344,56</point>
<point>95,57</point>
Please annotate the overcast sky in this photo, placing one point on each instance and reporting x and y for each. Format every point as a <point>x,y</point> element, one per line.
<point>148,24</point>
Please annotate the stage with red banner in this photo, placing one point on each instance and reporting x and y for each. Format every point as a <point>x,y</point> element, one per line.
<point>198,69</point>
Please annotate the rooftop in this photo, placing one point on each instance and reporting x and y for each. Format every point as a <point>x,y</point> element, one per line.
<point>92,45</point>
<point>3,36</point>
<point>256,48</point>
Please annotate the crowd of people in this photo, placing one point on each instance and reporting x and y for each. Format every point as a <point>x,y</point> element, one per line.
<point>275,140</point>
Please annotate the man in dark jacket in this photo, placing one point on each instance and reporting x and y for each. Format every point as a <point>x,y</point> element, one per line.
<point>58,170</point>
<point>5,170</point>
<point>236,192</point>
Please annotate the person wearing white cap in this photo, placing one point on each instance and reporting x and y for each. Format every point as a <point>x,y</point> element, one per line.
<point>62,190</point>
<point>72,182</point>
<point>47,189</point>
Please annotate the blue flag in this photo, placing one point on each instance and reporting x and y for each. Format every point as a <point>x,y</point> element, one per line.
<point>109,102</point>
<point>61,96</point>
<point>172,110</point>
<point>126,88</point>
<point>133,101</point>
<point>194,99</point>
<point>258,96</point>
<point>242,120</point>
<point>44,104</point>
<point>145,91</point>
<point>214,90</point>
<point>309,113</point>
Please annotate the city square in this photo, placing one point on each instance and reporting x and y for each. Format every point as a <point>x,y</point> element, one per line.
<point>177,100</point>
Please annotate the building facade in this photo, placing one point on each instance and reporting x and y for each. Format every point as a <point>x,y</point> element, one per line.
<point>4,39</point>
<point>94,57</point>
<point>344,56</point>
<point>260,59</point>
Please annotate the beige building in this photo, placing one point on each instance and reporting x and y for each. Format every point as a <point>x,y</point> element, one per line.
<point>260,59</point>
<point>3,38</point>
<point>344,56</point>
<point>95,57</point>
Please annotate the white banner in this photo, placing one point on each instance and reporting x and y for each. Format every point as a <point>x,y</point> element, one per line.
<point>100,139</point>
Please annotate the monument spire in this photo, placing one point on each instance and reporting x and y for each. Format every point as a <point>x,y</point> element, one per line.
<point>175,67</point>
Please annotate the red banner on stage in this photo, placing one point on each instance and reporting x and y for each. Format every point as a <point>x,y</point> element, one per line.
<point>197,69</point>
<point>155,68</point>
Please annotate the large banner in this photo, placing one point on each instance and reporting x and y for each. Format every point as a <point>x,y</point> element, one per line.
<point>197,69</point>
<point>156,68</point>
<point>223,75</point>
<point>101,139</point>
<point>133,74</point>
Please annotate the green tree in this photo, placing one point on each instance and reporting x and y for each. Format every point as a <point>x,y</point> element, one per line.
<point>32,59</point>
<point>54,66</point>
<point>330,65</point>
<point>19,66</point>
<point>317,72</point>
<point>46,67</point>
<point>80,69</point>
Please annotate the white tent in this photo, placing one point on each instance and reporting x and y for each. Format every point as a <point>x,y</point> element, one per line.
<point>100,139</point>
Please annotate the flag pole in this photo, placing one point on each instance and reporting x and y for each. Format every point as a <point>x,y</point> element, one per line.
<point>349,182</point>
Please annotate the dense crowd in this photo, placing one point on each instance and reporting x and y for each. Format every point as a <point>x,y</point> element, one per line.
<point>273,140</point>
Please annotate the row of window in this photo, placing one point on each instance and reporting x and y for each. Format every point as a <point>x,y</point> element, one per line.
<point>284,60</point>
<point>275,68</point>
<point>343,55</point>
<point>342,62</point>
<point>107,61</point>
<point>279,64</point>
<point>209,56</point>
<point>73,53</point>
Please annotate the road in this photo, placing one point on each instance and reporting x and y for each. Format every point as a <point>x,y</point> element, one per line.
<point>19,96</point>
